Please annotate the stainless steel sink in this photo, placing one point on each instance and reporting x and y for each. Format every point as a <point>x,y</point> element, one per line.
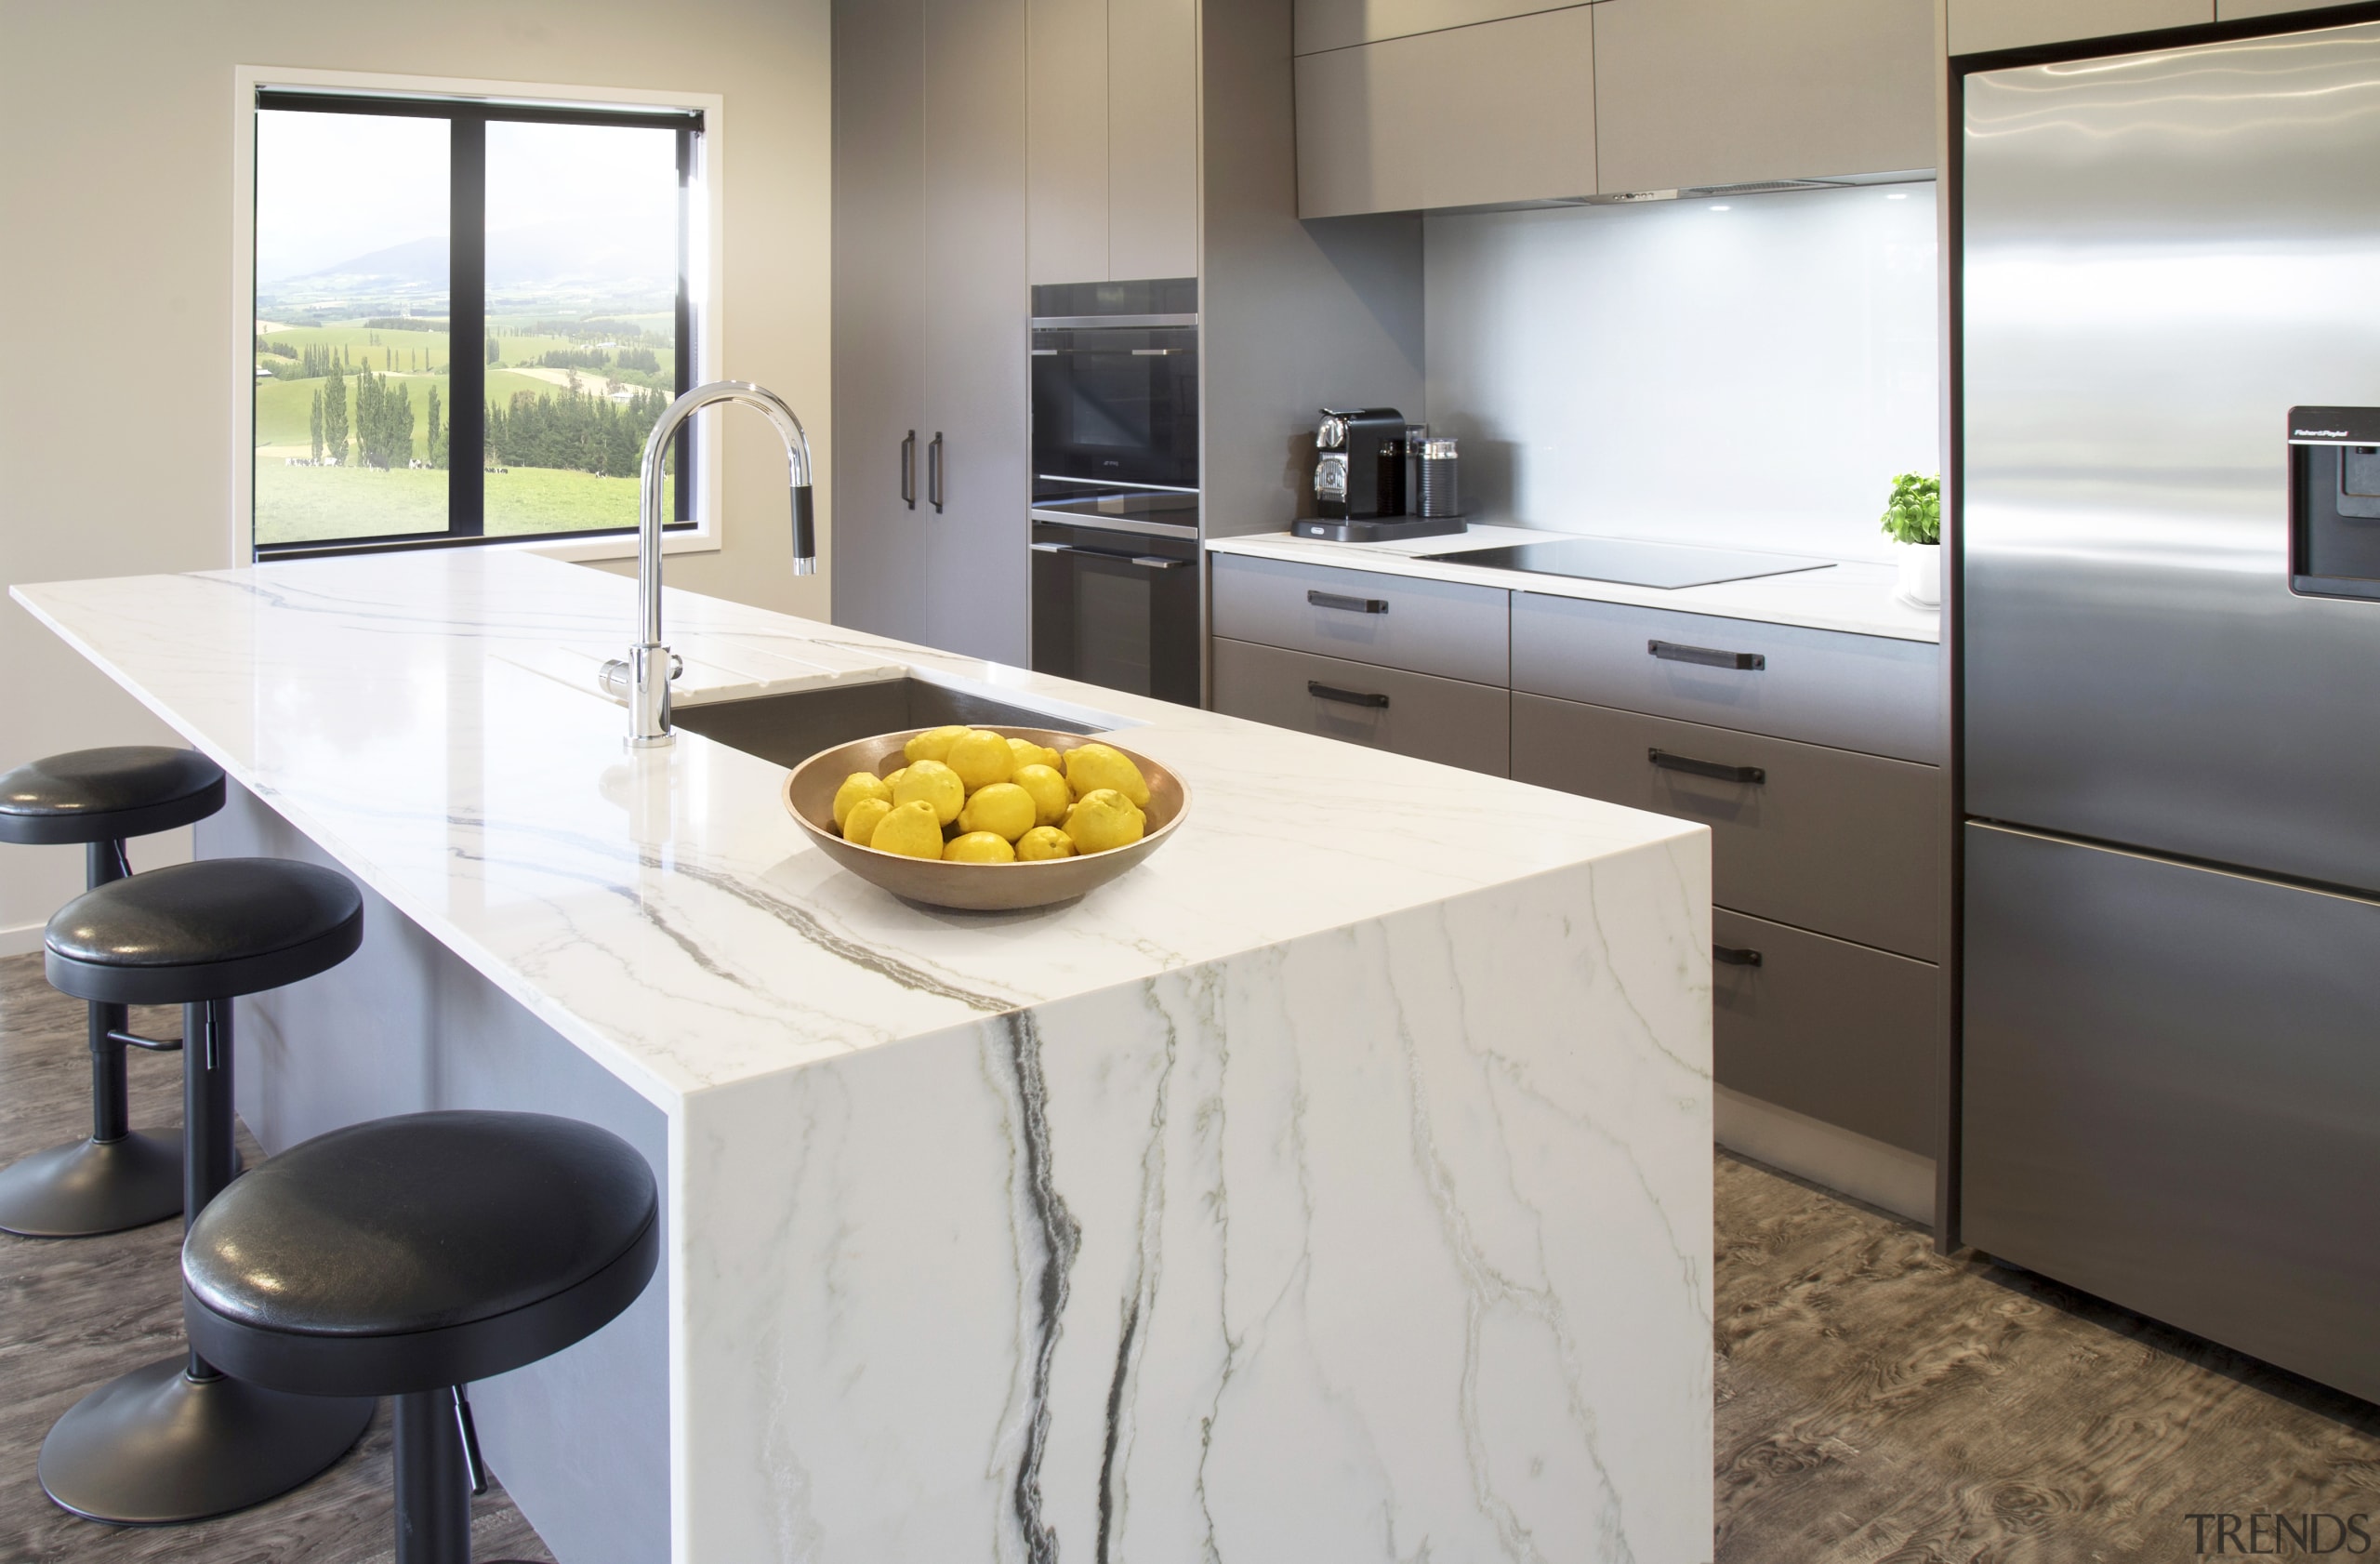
<point>788,729</point>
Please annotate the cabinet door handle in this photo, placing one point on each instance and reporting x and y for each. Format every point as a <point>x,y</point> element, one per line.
<point>909,468</point>
<point>1349,605</point>
<point>933,472</point>
<point>1321,691</point>
<point>1719,769</point>
<point>1708,657</point>
<point>1735,955</point>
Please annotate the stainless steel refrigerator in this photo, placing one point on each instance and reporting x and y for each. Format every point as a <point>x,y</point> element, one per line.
<point>2168,305</point>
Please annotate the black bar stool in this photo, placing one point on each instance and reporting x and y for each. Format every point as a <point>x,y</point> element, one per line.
<point>178,1440</point>
<point>409,1256</point>
<point>120,1178</point>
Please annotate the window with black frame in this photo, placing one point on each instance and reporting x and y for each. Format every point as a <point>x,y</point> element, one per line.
<point>468,317</point>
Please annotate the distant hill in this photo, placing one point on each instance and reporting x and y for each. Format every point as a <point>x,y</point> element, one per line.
<point>548,255</point>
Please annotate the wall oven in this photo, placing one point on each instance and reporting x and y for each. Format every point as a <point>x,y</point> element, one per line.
<point>1115,577</point>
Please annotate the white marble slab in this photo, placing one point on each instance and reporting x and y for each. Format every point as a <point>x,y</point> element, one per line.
<point>1336,1184</point>
<point>1854,596</point>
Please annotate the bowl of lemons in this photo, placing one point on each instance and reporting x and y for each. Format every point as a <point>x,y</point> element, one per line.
<point>985,819</point>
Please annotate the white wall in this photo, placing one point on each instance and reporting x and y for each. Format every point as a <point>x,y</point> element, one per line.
<point>1753,375</point>
<point>115,262</point>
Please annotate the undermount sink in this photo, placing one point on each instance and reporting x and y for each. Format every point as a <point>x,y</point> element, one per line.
<point>788,729</point>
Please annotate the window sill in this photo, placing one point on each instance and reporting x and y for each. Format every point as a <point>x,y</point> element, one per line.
<point>582,550</point>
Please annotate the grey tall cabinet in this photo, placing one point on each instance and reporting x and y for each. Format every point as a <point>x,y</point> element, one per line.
<point>932,405</point>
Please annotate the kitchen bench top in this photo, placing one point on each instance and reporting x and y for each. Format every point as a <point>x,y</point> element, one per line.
<point>1854,597</point>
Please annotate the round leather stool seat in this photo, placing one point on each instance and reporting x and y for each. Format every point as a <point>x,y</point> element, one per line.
<point>413,1253</point>
<point>210,930</point>
<point>106,795</point>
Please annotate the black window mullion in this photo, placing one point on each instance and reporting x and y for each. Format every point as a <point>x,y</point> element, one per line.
<point>466,326</point>
<point>683,507</point>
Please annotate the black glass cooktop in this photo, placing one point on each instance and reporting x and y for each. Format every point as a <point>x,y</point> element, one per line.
<point>1631,563</point>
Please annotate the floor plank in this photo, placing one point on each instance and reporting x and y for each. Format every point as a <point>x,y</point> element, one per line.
<point>74,1312</point>
<point>1878,1402</point>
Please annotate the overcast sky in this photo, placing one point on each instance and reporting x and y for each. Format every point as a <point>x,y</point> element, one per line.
<point>330,187</point>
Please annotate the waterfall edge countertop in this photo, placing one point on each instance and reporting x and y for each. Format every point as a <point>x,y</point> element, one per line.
<point>1442,1039</point>
<point>1852,596</point>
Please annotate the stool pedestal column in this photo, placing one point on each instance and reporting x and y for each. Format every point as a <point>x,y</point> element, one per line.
<point>119,1178</point>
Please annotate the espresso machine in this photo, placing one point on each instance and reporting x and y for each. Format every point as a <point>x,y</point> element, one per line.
<point>1363,456</point>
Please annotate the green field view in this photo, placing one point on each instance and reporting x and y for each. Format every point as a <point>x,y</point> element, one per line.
<point>297,502</point>
<point>316,504</point>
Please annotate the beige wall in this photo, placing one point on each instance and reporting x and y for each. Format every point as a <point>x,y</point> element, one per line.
<point>117,453</point>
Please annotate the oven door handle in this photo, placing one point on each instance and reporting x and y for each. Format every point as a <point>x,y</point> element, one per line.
<point>1147,561</point>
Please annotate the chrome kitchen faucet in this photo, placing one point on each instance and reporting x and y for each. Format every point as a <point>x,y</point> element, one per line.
<point>643,678</point>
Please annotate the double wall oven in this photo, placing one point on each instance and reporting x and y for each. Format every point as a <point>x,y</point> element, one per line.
<point>1115,484</point>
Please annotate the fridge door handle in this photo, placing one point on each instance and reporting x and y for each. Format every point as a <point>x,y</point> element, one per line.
<point>1720,769</point>
<point>933,472</point>
<point>910,469</point>
<point>1706,657</point>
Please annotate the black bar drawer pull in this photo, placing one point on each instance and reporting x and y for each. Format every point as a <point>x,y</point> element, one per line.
<point>1351,605</point>
<point>1708,657</point>
<point>1321,691</point>
<point>1719,769</point>
<point>1735,955</point>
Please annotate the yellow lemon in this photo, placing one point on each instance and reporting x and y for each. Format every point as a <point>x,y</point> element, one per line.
<point>1052,797</point>
<point>935,744</point>
<point>1104,818</point>
<point>979,847</point>
<point>933,783</point>
<point>892,778</point>
<point>866,815</point>
<point>857,785</point>
<point>982,759</point>
<point>909,829</point>
<point>1030,753</point>
<point>1093,766</point>
<point>1044,841</point>
<point>1004,809</point>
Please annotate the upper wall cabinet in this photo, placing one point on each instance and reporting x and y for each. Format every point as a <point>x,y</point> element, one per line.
<point>1718,92</point>
<point>1980,25</point>
<point>1112,139</point>
<point>1501,110</point>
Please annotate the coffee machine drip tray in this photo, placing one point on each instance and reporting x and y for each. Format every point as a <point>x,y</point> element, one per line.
<point>1631,563</point>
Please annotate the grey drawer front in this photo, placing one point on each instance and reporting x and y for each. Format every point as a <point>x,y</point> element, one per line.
<point>1390,621</point>
<point>1443,720</point>
<point>1835,1030</point>
<point>1850,845</point>
<point>1853,692</point>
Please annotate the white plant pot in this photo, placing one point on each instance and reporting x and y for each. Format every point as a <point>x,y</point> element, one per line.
<point>1921,574</point>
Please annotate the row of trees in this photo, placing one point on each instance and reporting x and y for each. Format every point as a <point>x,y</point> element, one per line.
<point>575,432</point>
<point>382,423</point>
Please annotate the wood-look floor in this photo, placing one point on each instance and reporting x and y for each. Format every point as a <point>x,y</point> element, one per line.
<point>1877,1403</point>
<point>75,1312</point>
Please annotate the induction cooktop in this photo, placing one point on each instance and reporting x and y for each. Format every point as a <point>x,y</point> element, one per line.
<point>1633,563</point>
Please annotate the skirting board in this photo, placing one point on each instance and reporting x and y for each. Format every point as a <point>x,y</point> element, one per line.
<point>1865,1169</point>
<point>23,940</point>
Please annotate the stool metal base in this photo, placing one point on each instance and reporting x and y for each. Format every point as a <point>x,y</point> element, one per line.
<point>94,1187</point>
<point>156,1447</point>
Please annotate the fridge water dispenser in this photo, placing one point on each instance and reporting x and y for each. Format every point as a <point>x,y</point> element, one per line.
<point>2335,501</point>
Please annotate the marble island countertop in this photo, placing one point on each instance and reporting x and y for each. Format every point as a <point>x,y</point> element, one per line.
<point>431,719</point>
<point>1853,596</point>
<point>1334,1184</point>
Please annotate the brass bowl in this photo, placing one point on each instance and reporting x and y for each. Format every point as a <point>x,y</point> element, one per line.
<point>810,799</point>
